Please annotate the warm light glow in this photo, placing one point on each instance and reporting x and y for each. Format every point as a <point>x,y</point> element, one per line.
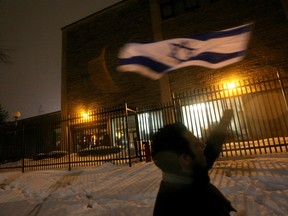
<point>16,114</point>
<point>231,85</point>
<point>84,115</point>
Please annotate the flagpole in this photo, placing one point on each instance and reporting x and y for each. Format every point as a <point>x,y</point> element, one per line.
<point>157,35</point>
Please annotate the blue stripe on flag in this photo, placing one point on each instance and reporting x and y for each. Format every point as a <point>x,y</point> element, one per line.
<point>155,59</point>
<point>215,58</point>
<point>147,62</point>
<point>221,34</point>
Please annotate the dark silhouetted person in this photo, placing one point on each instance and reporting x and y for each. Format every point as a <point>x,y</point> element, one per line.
<point>185,188</point>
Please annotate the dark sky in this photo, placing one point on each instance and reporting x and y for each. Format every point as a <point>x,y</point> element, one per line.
<point>31,31</point>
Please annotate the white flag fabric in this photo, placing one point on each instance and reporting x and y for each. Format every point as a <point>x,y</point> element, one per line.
<point>212,50</point>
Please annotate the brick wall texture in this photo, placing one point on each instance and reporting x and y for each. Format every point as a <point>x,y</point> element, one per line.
<point>90,48</point>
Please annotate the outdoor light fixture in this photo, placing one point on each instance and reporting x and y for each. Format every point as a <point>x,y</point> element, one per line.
<point>85,115</point>
<point>16,115</point>
<point>231,85</point>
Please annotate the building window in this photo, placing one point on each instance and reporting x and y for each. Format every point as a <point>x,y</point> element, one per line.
<point>172,8</point>
<point>190,4</point>
<point>201,117</point>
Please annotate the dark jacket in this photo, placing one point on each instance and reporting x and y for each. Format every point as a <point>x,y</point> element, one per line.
<point>196,198</point>
<point>191,200</point>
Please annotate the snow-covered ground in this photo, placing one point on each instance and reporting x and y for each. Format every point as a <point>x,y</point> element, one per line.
<point>256,185</point>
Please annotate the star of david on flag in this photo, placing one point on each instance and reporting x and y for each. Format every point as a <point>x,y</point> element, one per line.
<point>212,50</point>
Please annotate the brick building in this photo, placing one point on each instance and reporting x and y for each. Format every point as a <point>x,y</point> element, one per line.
<point>90,79</point>
<point>90,47</point>
<point>91,82</point>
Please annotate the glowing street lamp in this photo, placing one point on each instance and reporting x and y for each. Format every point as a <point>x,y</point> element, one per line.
<point>16,115</point>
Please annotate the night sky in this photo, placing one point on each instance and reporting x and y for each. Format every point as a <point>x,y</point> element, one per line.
<point>31,32</point>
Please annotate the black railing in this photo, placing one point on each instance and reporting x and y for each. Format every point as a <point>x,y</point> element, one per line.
<point>260,121</point>
<point>122,135</point>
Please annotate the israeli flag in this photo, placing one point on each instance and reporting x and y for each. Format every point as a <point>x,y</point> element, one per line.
<point>212,50</point>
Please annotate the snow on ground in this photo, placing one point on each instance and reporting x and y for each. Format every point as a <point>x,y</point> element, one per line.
<point>256,185</point>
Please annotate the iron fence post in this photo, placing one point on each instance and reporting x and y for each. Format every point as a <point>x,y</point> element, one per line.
<point>23,150</point>
<point>68,141</point>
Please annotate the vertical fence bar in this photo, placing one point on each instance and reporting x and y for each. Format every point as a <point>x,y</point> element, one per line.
<point>23,150</point>
<point>69,143</point>
<point>127,134</point>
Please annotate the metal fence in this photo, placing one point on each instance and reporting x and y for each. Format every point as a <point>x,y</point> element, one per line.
<point>260,121</point>
<point>122,134</point>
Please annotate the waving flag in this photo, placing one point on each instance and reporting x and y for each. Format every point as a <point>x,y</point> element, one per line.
<point>212,50</point>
